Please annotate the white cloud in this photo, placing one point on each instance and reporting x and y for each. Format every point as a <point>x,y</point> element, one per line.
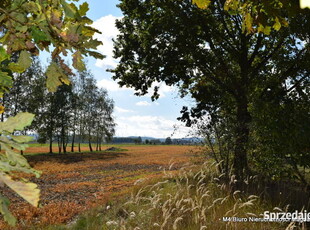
<point>143,103</point>
<point>151,126</point>
<point>163,89</point>
<point>106,25</point>
<point>121,110</point>
<point>111,85</point>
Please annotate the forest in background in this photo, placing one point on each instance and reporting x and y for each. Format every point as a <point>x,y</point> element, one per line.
<point>76,113</point>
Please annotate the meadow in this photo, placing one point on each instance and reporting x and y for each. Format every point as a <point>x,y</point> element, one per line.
<point>73,183</point>
<point>137,187</point>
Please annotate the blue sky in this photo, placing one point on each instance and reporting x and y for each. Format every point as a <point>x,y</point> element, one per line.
<point>135,116</point>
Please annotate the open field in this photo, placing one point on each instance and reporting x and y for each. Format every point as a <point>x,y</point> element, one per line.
<point>75,182</point>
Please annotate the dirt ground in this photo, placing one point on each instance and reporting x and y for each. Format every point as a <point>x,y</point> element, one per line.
<point>75,182</point>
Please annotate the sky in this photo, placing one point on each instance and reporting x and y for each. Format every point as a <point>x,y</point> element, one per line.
<point>134,116</point>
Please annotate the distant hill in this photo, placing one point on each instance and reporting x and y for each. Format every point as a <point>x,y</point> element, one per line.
<point>133,139</point>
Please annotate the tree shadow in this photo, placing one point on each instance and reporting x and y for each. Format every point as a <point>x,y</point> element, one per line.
<point>68,158</point>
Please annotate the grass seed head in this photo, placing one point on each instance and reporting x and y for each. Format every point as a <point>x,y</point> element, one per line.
<point>175,224</point>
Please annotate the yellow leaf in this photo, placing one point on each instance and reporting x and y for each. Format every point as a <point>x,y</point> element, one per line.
<point>78,61</point>
<point>203,4</point>
<point>267,30</point>
<point>26,190</point>
<point>248,22</point>
<point>19,122</point>
<point>277,25</point>
<point>55,77</point>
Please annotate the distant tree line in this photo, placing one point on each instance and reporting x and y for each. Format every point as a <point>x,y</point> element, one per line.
<point>153,141</point>
<point>76,113</point>
<point>123,140</point>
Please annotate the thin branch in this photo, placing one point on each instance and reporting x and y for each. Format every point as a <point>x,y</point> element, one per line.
<point>297,83</point>
<point>267,57</point>
<point>225,25</point>
<point>12,18</point>
<point>256,48</point>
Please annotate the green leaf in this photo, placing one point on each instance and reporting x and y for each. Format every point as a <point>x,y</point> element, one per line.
<point>4,209</point>
<point>32,7</point>
<point>55,77</point>
<point>19,122</point>
<point>38,35</point>
<point>16,67</point>
<point>15,158</point>
<point>92,44</point>
<point>203,4</point>
<point>78,61</point>
<point>5,80</point>
<point>22,139</point>
<point>24,62</point>
<point>20,17</point>
<point>3,17</point>
<point>27,190</point>
<point>6,166</point>
<point>96,55</point>
<point>3,54</point>
<point>24,59</point>
<point>83,9</point>
<point>22,29</point>
<point>5,140</point>
<point>69,9</point>
<point>89,31</point>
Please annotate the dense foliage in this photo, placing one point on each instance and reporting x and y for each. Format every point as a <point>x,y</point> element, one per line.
<point>258,16</point>
<point>76,112</point>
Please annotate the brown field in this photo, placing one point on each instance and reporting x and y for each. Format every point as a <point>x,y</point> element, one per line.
<point>75,182</point>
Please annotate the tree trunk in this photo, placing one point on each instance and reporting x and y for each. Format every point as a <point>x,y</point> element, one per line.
<point>73,135</point>
<point>51,146</point>
<point>73,139</point>
<point>243,117</point>
<point>97,144</point>
<point>64,146</point>
<point>63,139</point>
<point>59,144</point>
<point>240,160</point>
<point>90,147</point>
<point>89,142</point>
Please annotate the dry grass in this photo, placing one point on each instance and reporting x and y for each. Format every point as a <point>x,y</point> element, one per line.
<point>192,200</point>
<point>76,182</point>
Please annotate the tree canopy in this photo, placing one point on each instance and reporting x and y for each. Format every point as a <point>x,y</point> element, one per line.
<point>208,55</point>
<point>259,16</point>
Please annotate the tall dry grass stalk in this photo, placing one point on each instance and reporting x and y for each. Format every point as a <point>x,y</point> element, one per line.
<point>194,199</point>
